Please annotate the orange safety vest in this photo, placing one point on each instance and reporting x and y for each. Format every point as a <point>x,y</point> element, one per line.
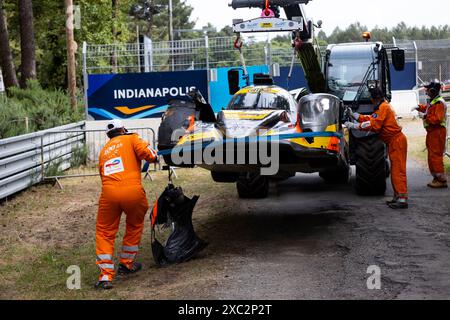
<point>436,113</point>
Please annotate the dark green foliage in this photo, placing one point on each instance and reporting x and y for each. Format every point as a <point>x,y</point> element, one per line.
<point>44,109</point>
<point>401,32</point>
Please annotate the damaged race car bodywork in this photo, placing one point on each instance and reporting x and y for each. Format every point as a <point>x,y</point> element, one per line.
<point>264,127</point>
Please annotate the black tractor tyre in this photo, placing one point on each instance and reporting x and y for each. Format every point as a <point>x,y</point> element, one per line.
<point>388,169</point>
<point>224,177</point>
<point>371,168</point>
<point>341,175</point>
<point>252,186</point>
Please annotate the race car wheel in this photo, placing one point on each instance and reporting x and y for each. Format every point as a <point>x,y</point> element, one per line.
<point>371,168</point>
<point>340,175</point>
<point>252,186</point>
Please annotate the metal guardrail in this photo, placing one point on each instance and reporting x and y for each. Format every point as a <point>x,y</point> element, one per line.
<point>75,153</point>
<point>67,151</point>
<point>21,160</point>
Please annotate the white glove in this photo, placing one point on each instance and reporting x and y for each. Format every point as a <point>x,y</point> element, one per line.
<point>351,125</point>
<point>354,115</point>
<point>365,125</point>
<point>422,115</point>
<point>416,108</point>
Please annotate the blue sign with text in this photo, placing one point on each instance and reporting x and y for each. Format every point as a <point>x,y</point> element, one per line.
<point>140,95</point>
<point>145,95</point>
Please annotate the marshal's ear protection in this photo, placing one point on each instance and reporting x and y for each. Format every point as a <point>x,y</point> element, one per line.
<point>434,88</point>
<point>376,93</point>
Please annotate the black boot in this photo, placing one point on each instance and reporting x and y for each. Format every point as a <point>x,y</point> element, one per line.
<point>394,200</point>
<point>398,205</point>
<point>105,285</point>
<point>123,270</point>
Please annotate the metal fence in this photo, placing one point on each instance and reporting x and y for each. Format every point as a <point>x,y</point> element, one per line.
<point>75,153</point>
<point>21,160</point>
<point>433,60</point>
<point>67,151</point>
<point>181,55</point>
<point>432,56</point>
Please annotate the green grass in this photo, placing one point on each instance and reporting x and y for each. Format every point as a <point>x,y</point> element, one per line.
<point>417,151</point>
<point>34,266</point>
<point>44,275</point>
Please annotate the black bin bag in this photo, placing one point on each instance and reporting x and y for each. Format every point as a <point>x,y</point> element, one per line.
<point>174,209</point>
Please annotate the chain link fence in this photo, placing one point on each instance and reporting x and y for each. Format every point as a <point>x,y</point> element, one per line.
<point>181,55</point>
<point>434,60</point>
<point>431,56</point>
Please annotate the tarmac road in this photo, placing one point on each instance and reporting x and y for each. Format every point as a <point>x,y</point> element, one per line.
<point>310,240</point>
<point>315,242</point>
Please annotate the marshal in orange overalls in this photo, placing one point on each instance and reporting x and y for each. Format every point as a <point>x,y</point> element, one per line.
<point>435,124</point>
<point>122,191</point>
<point>384,122</point>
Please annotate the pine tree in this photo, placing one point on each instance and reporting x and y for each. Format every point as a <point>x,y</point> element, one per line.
<point>6,58</point>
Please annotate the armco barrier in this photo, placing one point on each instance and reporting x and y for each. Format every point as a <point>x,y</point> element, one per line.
<point>74,153</point>
<point>21,160</point>
<point>67,151</point>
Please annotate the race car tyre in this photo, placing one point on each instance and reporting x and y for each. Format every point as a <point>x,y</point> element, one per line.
<point>340,175</point>
<point>371,168</point>
<point>252,186</point>
<point>168,159</point>
<point>224,177</point>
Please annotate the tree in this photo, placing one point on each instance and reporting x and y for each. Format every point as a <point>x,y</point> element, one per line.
<point>401,32</point>
<point>155,15</point>
<point>27,42</point>
<point>115,15</point>
<point>6,58</point>
<point>145,10</point>
<point>322,38</point>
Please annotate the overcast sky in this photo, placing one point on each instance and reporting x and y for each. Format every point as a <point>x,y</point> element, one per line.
<point>335,13</point>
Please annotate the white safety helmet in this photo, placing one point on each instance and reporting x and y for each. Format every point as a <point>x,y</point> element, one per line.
<point>114,124</point>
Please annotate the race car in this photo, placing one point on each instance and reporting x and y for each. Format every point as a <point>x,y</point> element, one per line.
<point>300,137</point>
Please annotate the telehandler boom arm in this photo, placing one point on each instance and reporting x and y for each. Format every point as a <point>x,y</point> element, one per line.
<point>303,39</point>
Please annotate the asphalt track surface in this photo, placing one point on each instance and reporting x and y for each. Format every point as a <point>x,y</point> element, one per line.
<point>312,240</point>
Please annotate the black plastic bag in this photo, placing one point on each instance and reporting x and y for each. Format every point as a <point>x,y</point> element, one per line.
<point>174,208</point>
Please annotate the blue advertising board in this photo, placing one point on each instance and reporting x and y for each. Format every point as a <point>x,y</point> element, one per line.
<point>145,95</point>
<point>220,95</point>
<point>140,95</point>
